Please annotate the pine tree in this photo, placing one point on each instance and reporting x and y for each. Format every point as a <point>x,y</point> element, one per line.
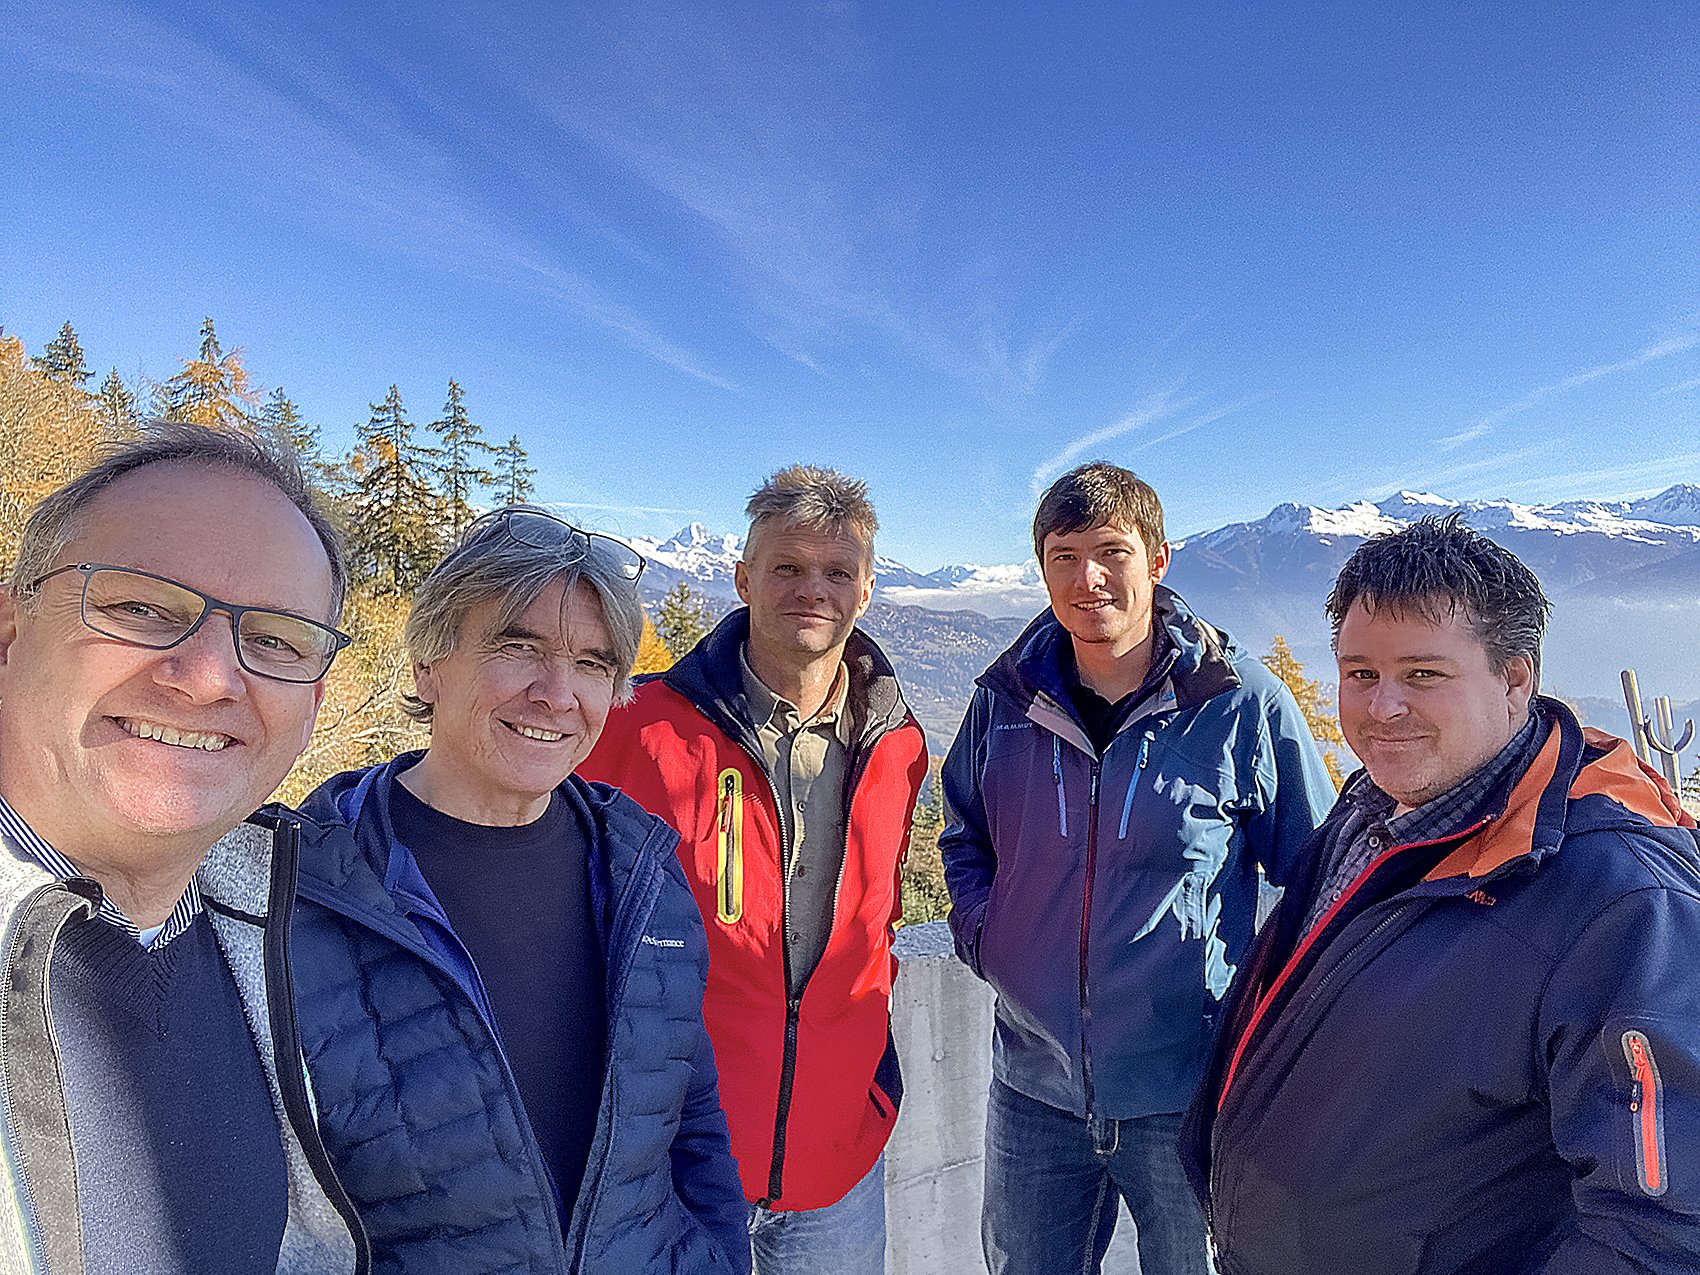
<point>49,432</point>
<point>280,421</point>
<point>395,514</point>
<point>212,390</point>
<point>653,655</point>
<point>925,897</point>
<point>683,619</point>
<point>63,359</point>
<point>1313,702</point>
<point>460,452</point>
<point>117,407</point>
<point>513,476</point>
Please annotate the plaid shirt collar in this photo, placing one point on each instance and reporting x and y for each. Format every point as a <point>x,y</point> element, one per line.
<point>25,843</point>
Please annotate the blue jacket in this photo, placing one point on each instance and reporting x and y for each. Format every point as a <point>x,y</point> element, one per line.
<point>418,1106</point>
<point>1484,1059</point>
<point>1108,899</point>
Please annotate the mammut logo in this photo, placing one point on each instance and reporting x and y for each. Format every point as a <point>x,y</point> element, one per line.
<point>655,942</point>
<point>1482,897</point>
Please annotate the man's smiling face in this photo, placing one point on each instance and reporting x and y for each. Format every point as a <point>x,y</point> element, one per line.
<point>1420,701</point>
<point>1101,582</point>
<point>515,711</point>
<point>106,748</point>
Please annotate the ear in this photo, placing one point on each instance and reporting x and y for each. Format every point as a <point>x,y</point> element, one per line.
<point>1160,562</point>
<point>425,682</point>
<point>867,594</point>
<point>741,581</point>
<point>8,622</point>
<point>1519,686</point>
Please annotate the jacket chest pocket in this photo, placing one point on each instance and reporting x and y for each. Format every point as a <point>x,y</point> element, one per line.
<point>729,846</point>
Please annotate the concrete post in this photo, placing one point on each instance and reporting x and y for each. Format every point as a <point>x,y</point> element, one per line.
<point>942,1017</point>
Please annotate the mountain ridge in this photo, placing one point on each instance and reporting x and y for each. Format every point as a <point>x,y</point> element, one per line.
<point>1623,575</point>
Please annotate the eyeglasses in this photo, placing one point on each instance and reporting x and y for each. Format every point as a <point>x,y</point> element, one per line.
<point>541,530</point>
<point>150,611</point>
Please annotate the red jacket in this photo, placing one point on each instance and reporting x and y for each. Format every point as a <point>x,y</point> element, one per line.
<point>810,1085</point>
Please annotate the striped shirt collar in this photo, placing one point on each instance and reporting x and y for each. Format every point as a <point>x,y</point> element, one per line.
<point>26,843</point>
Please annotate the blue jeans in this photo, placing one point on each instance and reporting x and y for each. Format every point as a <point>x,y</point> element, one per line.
<point>847,1238</point>
<point>1054,1182</point>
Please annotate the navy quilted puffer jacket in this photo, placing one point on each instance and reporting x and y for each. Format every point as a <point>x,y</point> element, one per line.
<point>418,1107</point>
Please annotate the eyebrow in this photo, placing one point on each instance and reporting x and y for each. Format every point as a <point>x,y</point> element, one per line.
<point>1345,658</point>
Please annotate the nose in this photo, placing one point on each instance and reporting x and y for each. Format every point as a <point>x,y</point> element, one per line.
<point>1387,700</point>
<point>203,666</point>
<point>554,687</point>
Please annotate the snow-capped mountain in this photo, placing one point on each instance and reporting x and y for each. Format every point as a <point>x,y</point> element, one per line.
<point>1624,578</point>
<point>705,560</point>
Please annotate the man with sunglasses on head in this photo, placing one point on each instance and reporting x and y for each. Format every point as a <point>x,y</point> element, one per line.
<point>782,750</point>
<point>499,965</point>
<point>159,675</point>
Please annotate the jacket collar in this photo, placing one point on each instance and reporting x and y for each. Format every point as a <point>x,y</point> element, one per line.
<point>349,867</point>
<point>1033,664</point>
<point>709,677</point>
<point>1540,808</point>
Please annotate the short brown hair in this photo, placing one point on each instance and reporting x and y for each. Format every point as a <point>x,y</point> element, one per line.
<point>1097,494</point>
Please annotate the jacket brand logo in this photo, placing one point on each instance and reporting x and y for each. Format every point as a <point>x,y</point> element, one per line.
<point>1481,897</point>
<point>655,942</point>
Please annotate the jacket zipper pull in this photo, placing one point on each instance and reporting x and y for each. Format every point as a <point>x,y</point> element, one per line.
<point>1062,799</point>
<point>1648,1119</point>
<point>1133,785</point>
<point>729,877</point>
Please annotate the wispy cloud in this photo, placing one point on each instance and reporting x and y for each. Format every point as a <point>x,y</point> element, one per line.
<point>1485,425</point>
<point>1681,388</point>
<point>1157,407</point>
<point>1640,477</point>
<point>1022,370</point>
<point>1209,418</point>
<point>364,170</point>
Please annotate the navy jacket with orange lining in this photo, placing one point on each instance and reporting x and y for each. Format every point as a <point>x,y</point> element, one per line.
<point>1485,1059</point>
<point>810,1085</point>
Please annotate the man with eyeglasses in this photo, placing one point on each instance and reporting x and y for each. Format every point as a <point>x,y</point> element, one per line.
<point>499,966</point>
<point>163,643</point>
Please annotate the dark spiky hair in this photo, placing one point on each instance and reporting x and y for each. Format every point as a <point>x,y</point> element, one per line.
<point>1438,567</point>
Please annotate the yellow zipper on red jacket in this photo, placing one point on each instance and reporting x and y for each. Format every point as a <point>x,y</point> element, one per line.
<point>729,834</point>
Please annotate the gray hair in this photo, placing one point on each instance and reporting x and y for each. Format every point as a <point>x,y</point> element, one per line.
<point>490,565</point>
<point>1438,567</point>
<point>55,521</point>
<point>815,499</point>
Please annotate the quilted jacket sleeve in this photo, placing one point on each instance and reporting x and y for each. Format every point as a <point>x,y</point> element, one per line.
<point>1620,1026</point>
<point>966,842</point>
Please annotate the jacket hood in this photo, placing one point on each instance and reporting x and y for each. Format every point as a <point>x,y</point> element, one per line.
<point>1548,803</point>
<point>709,677</point>
<point>1204,657</point>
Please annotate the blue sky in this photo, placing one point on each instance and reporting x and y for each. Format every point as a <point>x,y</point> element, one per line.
<point>1255,252</point>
